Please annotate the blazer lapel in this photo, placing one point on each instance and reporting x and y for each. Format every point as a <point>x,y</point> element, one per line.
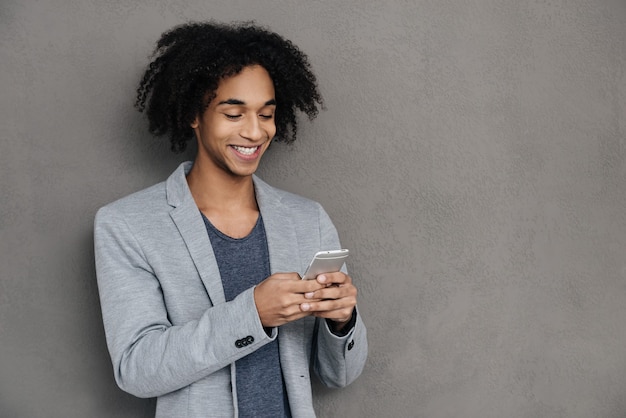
<point>282,241</point>
<point>281,235</point>
<point>188,220</point>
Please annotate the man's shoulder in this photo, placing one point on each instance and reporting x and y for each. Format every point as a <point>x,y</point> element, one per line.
<point>154,199</point>
<point>284,197</point>
<point>141,203</point>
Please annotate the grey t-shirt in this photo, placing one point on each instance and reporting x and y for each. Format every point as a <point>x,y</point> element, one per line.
<point>244,263</point>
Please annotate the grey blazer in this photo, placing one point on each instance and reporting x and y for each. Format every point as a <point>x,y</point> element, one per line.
<point>169,330</point>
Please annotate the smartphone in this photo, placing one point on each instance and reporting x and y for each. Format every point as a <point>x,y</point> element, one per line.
<point>325,262</point>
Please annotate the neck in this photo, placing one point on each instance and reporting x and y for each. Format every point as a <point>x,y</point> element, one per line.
<point>215,190</point>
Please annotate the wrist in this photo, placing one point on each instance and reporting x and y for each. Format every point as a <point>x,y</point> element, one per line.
<point>342,328</point>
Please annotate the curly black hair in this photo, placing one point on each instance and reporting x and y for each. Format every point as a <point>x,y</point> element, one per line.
<point>190,60</point>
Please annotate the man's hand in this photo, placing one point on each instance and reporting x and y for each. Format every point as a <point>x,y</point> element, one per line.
<point>279,298</point>
<point>335,300</point>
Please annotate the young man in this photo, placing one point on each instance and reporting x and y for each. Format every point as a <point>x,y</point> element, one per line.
<point>202,303</point>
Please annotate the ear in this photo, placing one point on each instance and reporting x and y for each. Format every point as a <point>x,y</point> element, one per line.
<point>195,123</point>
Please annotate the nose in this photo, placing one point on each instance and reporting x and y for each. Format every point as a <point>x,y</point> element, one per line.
<point>253,130</point>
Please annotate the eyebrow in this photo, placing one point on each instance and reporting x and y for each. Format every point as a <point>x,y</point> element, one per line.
<point>237,102</point>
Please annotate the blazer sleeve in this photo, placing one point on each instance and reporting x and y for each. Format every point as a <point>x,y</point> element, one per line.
<point>150,356</point>
<point>337,360</point>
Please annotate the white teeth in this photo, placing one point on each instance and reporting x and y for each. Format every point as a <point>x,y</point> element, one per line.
<point>245,150</point>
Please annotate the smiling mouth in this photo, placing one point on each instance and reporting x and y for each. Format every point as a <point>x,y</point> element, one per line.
<point>245,150</point>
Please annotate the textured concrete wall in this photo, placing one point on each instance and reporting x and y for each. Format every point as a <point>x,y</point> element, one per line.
<point>472,156</point>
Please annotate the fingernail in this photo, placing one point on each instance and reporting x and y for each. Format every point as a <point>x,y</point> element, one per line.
<point>305,307</point>
<point>309,295</point>
<point>321,278</point>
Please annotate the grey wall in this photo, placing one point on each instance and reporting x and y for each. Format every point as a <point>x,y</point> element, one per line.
<point>472,156</point>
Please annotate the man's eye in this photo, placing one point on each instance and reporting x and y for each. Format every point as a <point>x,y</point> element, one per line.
<point>268,117</point>
<point>233,117</point>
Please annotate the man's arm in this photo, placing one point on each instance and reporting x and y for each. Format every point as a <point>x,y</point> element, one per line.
<point>150,355</point>
<point>338,357</point>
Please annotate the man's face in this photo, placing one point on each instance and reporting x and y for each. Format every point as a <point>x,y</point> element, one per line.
<point>238,125</point>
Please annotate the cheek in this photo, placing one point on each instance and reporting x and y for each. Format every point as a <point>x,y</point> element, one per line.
<point>217,131</point>
<point>271,130</point>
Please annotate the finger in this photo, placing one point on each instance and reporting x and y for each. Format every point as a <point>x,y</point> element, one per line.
<point>334,292</point>
<point>330,308</point>
<point>337,278</point>
<point>292,283</point>
<point>307,286</point>
<point>339,316</point>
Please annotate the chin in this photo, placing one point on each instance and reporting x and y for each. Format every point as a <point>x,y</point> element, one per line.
<point>244,172</point>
